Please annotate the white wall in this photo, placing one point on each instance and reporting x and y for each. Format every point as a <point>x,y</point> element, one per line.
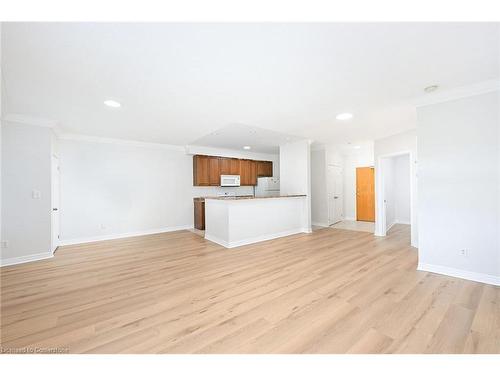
<point>111,189</point>
<point>459,188</point>
<point>389,192</point>
<point>402,189</point>
<point>1,117</point>
<point>26,166</point>
<point>319,195</point>
<point>391,146</point>
<point>295,171</point>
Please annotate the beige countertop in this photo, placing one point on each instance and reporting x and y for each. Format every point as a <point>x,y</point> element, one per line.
<point>246,197</point>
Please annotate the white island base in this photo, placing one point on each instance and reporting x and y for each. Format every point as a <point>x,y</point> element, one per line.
<point>242,221</point>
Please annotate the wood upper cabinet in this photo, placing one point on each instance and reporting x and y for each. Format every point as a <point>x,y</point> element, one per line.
<point>201,175</point>
<point>244,172</point>
<point>234,166</point>
<point>213,171</point>
<point>248,172</point>
<point>253,172</point>
<point>225,165</point>
<point>208,169</point>
<point>264,168</point>
<point>229,166</point>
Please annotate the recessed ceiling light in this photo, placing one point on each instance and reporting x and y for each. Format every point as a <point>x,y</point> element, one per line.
<point>431,88</point>
<point>112,103</point>
<point>247,147</point>
<point>344,116</point>
<point>357,147</point>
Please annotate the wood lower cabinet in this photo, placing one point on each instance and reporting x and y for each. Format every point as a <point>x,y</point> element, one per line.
<point>199,213</point>
<point>208,169</point>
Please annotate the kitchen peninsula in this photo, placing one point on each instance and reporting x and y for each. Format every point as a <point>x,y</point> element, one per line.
<point>238,221</point>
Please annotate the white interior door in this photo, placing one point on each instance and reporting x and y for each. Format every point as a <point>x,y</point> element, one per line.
<point>335,189</point>
<point>55,203</point>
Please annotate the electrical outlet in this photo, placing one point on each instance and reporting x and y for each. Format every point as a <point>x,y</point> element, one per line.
<point>103,227</point>
<point>463,252</point>
<point>5,244</point>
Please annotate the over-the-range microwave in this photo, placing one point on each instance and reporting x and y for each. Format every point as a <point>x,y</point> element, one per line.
<point>230,180</point>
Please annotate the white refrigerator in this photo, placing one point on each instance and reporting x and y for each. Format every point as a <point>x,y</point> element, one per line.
<point>267,187</point>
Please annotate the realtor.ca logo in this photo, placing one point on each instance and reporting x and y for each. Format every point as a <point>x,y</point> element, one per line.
<point>33,350</point>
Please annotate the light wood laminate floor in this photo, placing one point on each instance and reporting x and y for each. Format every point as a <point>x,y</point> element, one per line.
<point>332,291</point>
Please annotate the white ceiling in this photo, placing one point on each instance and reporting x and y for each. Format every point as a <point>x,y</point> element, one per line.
<point>178,83</point>
<point>237,136</point>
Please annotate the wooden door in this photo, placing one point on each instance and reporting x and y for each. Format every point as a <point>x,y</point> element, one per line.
<point>365,194</point>
<point>213,171</point>
<point>201,175</point>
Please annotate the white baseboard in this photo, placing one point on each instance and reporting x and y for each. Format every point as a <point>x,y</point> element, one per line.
<point>25,259</point>
<point>320,224</point>
<point>77,241</point>
<point>391,225</point>
<point>248,241</point>
<point>462,274</point>
<point>402,222</point>
<point>217,240</point>
<point>349,218</point>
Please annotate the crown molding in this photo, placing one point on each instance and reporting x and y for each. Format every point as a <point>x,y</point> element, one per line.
<point>94,139</point>
<point>17,118</point>
<point>458,93</point>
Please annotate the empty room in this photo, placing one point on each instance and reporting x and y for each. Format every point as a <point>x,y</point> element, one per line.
<point>250,188</point>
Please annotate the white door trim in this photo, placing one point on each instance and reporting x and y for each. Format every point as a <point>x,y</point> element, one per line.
<point>380,214</point>
<point>55,202</point>
<point>330,190</point>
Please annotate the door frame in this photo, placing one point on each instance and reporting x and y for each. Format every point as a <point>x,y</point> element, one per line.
<point>380,212</point>
<point>329,190</point>
<point>55,243</point>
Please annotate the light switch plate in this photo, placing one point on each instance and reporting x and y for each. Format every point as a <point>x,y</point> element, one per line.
<point>36,194</point>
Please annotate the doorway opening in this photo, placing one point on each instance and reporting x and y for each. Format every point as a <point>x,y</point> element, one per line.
<point>394,200</point>
<point>363,199</point>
